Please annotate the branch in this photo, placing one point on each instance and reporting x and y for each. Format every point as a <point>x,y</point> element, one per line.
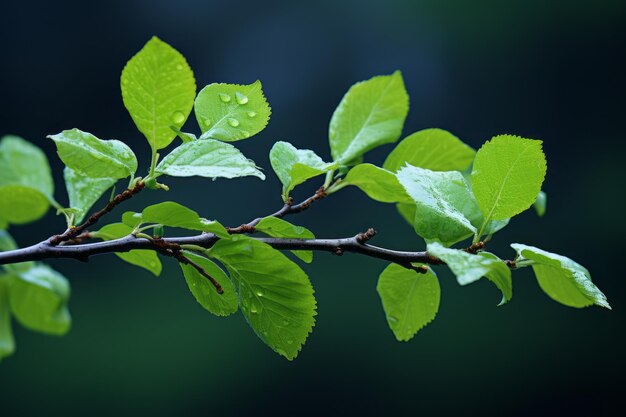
<point>288,208</point>
<point>82,252</point>
<point>73,232</point>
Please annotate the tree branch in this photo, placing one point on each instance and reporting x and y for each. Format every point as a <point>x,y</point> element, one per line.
<point>82,252</point>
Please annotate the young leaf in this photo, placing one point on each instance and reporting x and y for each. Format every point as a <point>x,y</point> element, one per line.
<point>7,344</point>
<point>540,203</point>
<point>469,268</point>
<point>275,295</point>
<point>564,280</point>
<point>90,156</point>
<point>185,137</point>
<point>294,166</point>
<point>147,259</point>
<point>204,292</point>
<point>131,219</point>
<point>434,149</point>
<point>21,204</point>
<point>379,184</point>
<point>173,214</point>
<point>443,203</point>
<point>158,89</point>
<point>410,299</point>
<point>207,158</point>
<point>507,175</point>
<point>231,112</point>
<point>26,185</point>
<point>275,227</point>
<point>84,191</point>
<point>371,114</point>
<point>22,163</point>
<point>39,299</point>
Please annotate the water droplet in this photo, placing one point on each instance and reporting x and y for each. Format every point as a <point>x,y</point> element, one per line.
<point>264,333</point>
<point>225,97</point>
<point>179,67</point>
<point>241,99</point>
<point>233,122</point>
<point>289,342</point>
<point>259,293</point>
<point>207,122</point>
<point>255,308</point>
<point>245,133</point>
<point>178,117</point>
<point>392,319</point>
<point>251,114</point>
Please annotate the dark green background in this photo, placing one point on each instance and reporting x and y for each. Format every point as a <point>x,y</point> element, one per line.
<point>552,70</point>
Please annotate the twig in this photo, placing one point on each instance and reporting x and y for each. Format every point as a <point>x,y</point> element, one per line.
<point>73,232</point>
<point>174,250</point>
<point>288,208</point>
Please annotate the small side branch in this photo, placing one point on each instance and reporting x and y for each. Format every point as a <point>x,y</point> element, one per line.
<point>74,232</point>
<point>288,208</point>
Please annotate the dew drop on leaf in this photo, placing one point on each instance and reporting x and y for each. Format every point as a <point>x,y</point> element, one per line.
<point>225,97</point>
<point>178,117</point>
<point>233,122</point>
<point>251,114</point>
<point>241,99</point>
<point>207,122</point>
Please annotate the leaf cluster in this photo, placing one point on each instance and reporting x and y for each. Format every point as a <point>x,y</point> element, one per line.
<point>447,191</point>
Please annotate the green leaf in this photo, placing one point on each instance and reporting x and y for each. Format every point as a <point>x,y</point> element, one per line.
<point>7,343</point>
<point>22,163</point>
<point>434,149</point>
<point>158,89</point>
<point>84,191</point>
<point>26,185</point>
<point>407,211</point>
<point>231,112</point>
<point>132,219</point>
<point>185,137</point>
<point>507,175</point>
<point>21,204</point>
<point>379,184</point>
<point>147,259</point>
<point>204,292</point>
<point>371,114</point>
<point>443,203</point>
<point>275,295</point>
<point>39,299</point>
<point>469,268</point>
<point>410,299</point>
<point>6,244</point>
<point>90,156</point>
<point>173,214</point>
<point>208,158</point>
<point>540,203</point>
<point>275,227</point>
<point>294,166</point>
<point>564,280</point>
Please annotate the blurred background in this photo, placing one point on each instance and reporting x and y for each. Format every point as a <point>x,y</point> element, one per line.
<point>140,344</point>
